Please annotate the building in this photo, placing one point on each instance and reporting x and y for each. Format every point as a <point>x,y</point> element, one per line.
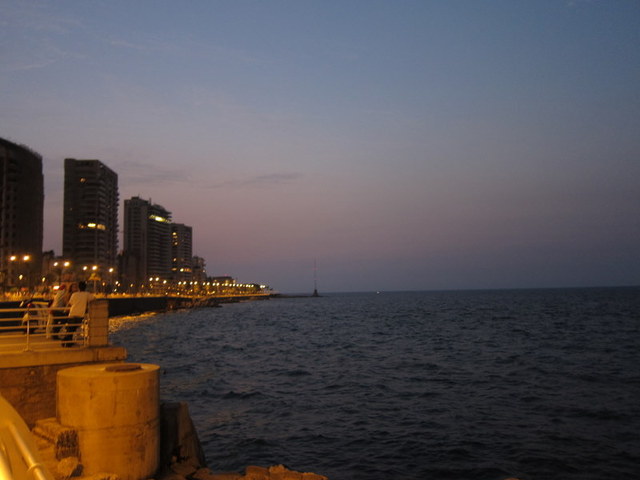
<point>147,243</point>
<point>90,220</point>
<point>199,273</point>
<point>181,252</point>
<point>21,215</point>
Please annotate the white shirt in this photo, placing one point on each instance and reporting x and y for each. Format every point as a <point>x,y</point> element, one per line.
<point>78,303</point>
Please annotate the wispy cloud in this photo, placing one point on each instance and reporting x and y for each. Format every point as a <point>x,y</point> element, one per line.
<point>134,173</point>
<point>42,53</point>
<point>33,37</point>
<point>260,181</point>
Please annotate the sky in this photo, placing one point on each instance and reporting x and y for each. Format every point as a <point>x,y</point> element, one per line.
<point>395,144</point>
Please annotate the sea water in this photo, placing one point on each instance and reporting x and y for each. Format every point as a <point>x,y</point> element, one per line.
<point>534,384</point>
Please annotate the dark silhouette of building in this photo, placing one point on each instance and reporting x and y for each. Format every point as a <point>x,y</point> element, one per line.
<point>181,252</point>
<point>21,215</point>
<point>147,243</point>
<point>90,223</point>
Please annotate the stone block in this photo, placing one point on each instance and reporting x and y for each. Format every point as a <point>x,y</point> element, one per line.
<point>63,439</point>
<point>179,439</point>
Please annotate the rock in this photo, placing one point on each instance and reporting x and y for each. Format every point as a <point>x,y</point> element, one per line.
<point>69,467</point>
<point>313,476</point>
<point>225,476</point>
<point>179,439</point>
<point>101,476</point>
<point>253,472</point>
<point>184,469</point>
<point>207,474</point>
<point>169,475</point>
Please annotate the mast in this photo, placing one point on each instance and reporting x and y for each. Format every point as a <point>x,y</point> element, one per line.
<point>315,279</point>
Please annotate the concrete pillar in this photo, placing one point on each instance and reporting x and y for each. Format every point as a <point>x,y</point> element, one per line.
<point>115,410</point>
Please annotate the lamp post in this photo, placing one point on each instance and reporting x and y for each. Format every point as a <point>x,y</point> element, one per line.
<point>60,267</point>
<point>21,263</point>
<point>111,270</point>
<point>94,277</point>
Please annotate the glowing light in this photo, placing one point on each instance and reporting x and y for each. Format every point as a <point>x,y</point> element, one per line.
<point>93,226</point>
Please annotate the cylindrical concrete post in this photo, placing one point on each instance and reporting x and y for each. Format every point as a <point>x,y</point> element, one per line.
<point>115,409</point>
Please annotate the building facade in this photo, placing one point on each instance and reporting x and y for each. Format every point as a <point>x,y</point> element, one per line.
<point>21,216</point>
<point>147,243</point>
<point>181,252</point>
<point>199,273</point>
<point>90,220</point>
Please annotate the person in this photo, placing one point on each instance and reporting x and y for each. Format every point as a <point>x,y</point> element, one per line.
<point>78,304</point>
<point>58,309</point>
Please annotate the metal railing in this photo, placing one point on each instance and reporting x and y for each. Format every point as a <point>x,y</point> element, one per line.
<point>19,458</point>
<point>38,327</point>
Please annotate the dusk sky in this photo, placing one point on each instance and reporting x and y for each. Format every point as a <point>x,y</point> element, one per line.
<point>402,145</point>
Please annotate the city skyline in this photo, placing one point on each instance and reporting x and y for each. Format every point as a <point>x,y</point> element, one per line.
<point>402,146</point>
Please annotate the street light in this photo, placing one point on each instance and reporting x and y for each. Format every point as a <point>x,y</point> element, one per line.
<point>94,277</point>
<point>23,267</point>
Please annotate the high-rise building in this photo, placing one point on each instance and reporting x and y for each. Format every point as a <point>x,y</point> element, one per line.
<point>181,252</point>
<point>21,215</point>
<point>199,273</point>
<point>147,242</point>
<point>90,222</point>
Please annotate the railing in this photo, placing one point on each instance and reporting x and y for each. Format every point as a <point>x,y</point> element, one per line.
<point>37,327</point>
<point>19,458</point>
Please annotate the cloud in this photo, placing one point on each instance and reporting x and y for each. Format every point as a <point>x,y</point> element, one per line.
<point>140,173</point>
<point>274,178</point>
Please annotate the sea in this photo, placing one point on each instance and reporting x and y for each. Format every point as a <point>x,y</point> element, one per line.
<point>483,385</point>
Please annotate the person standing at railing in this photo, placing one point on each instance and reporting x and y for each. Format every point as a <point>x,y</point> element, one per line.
<point>78,303</point>
<point>58,308</point>
<point>62,297</point>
